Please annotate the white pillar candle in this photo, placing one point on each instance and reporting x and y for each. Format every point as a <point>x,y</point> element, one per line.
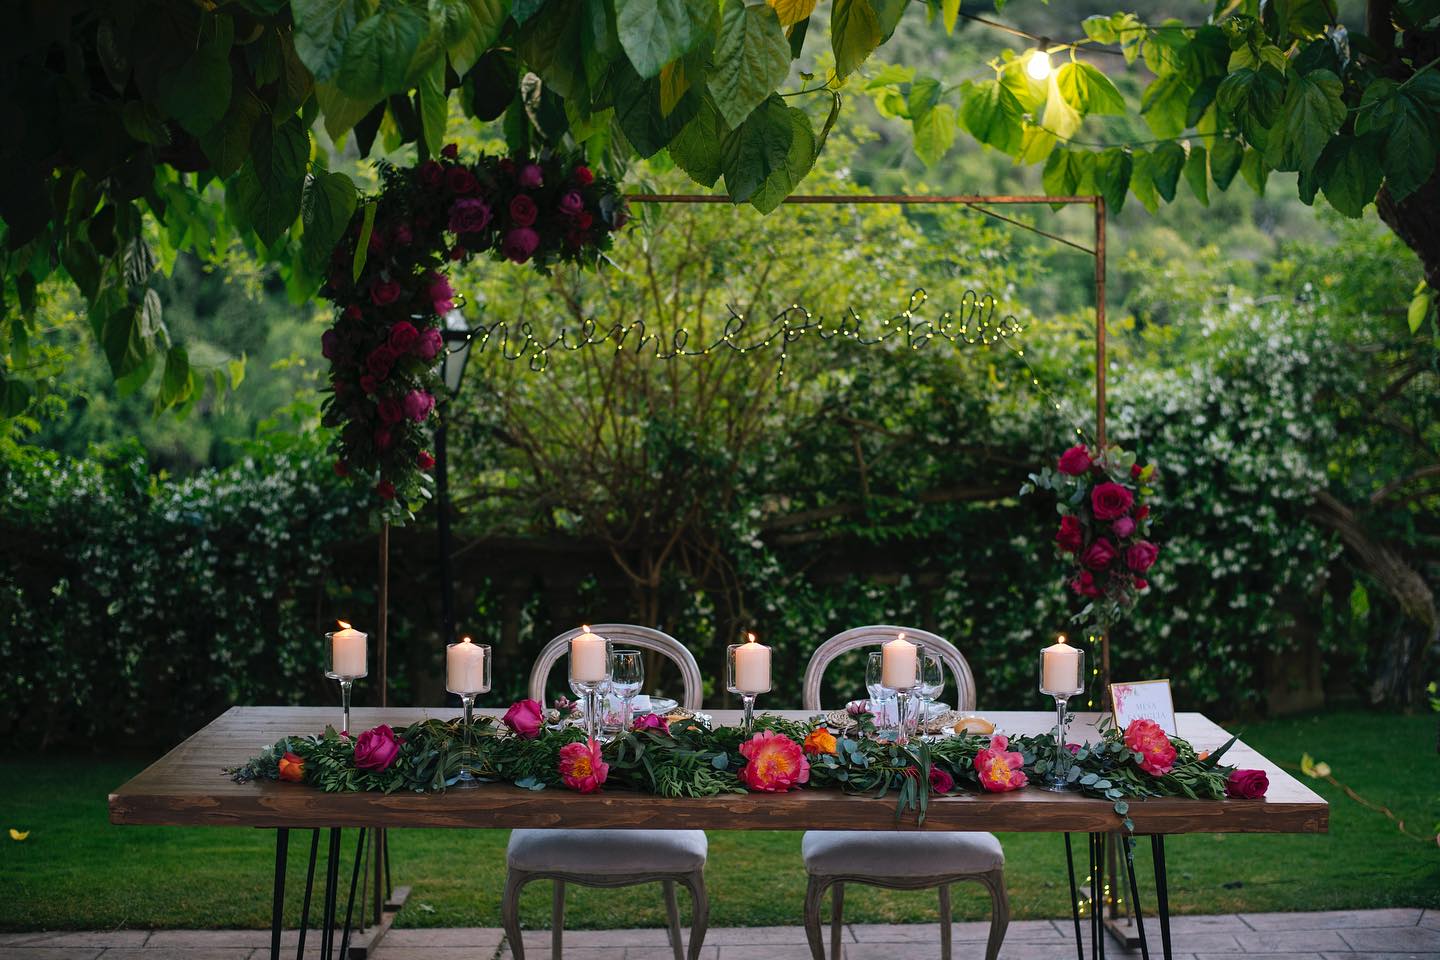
<point>347,651</point>
<point>587,657</point>
<point>1060,669</point>
<point>898,660</point>
<point>752,666</point>
<point>465,667</point>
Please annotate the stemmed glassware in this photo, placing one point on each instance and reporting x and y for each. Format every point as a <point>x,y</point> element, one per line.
<point>627,675</point>
<point>346,649</point>
<point>1062,676</point>
<point>932,684</point>
<point>467,675</point>
<point>881,696</point>
<point>590,658</point>
<point>904,697</point>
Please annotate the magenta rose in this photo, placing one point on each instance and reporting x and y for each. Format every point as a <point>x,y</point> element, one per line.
<point>519,245</point>
<point>451,151</point>
<point>441,295</point>
<point>402,337</point>
<point>1123,527</point>
<point>583,176</point>
<point>1110,501</point>
<point>940,781</point>
<point>384,292</point>
<point>425,460</point>
<point>1084,584</point>
<point>380,360</point>
<point>418,405</point>
<point>530,176</point>
<point>369,382</point>
<point>523,211</point>
<point>571,203</point>
<point>650,721</point>
<point>391,410</point>
<point>1247,785</point>
<point>1141,556</point>
<point>1069,536</point>
<point>1074,461</point>
<point>470,215</point>
<point>525,718</point>
<point>376,749</point>
<point>429,344</point>
<point>431,173</point>
<point>351,313</point>
<point>1099,555</point>
<point>329,344</point>
<point>460,180</point>
<point>385,489</point>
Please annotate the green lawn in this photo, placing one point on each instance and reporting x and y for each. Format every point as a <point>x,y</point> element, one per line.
<point>77,871</point>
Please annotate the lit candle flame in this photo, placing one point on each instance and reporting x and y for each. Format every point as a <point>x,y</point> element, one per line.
<point>343,625</point>
<point>464,639</point>
<point>585,627</point>
<point>749,637</point>
<point>900,635</point>
<point>1060,639</point>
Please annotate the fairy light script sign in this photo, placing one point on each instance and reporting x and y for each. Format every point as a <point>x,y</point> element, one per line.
<point>974,321</point>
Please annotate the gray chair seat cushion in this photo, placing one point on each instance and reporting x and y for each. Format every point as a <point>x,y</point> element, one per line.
<point>607,852</point>
<point>877,853</point>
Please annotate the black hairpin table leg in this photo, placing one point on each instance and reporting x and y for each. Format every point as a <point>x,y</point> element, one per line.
<point>350,901</point>
<point>309,888</point>
<point>327,909</point>
<point>1162,891</point>
<point>1074,900</point>
<point>1138,913</point>
<point>277,909</point>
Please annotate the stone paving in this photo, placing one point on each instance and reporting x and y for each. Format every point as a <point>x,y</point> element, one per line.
<point>1401,934</point>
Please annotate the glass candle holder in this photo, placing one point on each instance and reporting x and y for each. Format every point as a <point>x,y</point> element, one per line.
<point>747,673</point>
<point>907,698</point>
<point>590,660</point>
<point>467,674</point>
<point>1062,676</point>
<point>347,661</point>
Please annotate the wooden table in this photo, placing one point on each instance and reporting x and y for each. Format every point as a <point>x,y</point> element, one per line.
<point>187,787</point>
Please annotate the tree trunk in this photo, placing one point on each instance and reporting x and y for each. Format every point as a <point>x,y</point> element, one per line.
<point>1396,678</point>
<point>1416,220</point>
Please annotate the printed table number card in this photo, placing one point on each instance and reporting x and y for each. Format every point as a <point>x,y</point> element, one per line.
<point>1144,700</point>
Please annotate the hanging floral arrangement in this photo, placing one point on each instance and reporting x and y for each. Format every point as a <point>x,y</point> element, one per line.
<point>388,281</point>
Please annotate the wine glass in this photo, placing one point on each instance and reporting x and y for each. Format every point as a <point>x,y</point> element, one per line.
<point>627,674</point>
<point>932,684</point>
<point>880,695</point>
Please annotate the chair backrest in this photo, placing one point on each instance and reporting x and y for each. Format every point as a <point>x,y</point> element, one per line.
<point>879,633</point>
<point>623,635</point>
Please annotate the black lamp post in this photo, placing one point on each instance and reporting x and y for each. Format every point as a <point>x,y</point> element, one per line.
<point>457,334</point>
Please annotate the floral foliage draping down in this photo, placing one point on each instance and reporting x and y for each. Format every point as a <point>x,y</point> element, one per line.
<point>692,759</point>
<point>387,277</point>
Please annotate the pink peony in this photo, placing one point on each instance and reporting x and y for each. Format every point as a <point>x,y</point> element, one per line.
<point>999,767</point>
<point>384,292</point>
<point>530,176</point>
<point>402,337</point>
<point>525,718</point>
<point>1123,527</point>
<point>1141,556</point>
<point>429,345</point>
<point>571,203</point>
<point>1110,501</point>
<point>440,293</point>
<point>1247,785</point>
<point>581,767</point>
<point>1099,555</point>
<point>774,763</point>
<point>1074,461</point>
<point>1069,536</point>
<point>523,211</point>
<point>650,721</point>
<point>1157,754</point>
<point>391,410</point>
<point>418,405</point>
<point>520,244</point>
<point>470,215</point>
<point>376,749</point>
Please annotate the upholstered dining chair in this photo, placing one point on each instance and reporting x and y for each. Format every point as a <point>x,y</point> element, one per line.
<point>898,860</point>
<point>610,858</point>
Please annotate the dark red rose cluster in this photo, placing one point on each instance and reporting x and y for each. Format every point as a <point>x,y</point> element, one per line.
<point>387,279</point>
<point>1106,536</point>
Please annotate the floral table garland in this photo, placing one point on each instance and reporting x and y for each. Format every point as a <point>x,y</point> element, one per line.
<point>690,758</point>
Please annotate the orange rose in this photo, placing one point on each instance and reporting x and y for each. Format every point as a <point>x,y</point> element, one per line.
<point>292,768</point>
<point>820,740</point>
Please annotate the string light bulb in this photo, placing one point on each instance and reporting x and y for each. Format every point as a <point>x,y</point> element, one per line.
<point>1037,67</point>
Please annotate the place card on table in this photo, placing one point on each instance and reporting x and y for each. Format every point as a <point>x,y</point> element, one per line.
<point>1144,700</point>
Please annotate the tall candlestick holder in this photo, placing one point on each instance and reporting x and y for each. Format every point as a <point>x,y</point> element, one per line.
<point>467,681</point>
<point>747,679</point>
<point>345,653</point>
<point>1062,676</point>
<point>590,674</point>
<point>904,699</point>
